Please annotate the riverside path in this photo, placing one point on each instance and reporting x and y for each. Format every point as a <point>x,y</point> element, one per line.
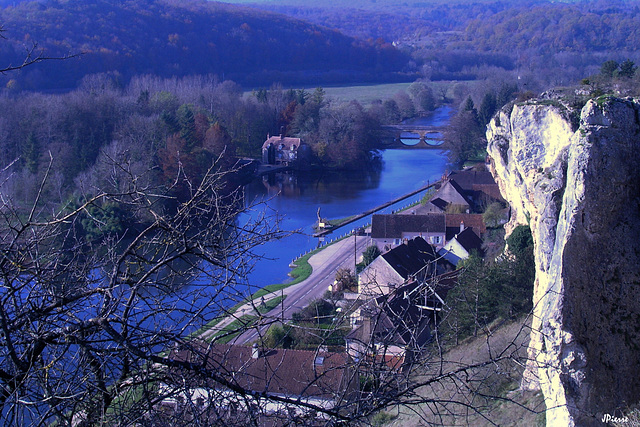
<point>325,264</point>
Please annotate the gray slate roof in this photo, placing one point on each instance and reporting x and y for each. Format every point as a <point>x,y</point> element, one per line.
<point>411,257</point>
<point>392,226</point>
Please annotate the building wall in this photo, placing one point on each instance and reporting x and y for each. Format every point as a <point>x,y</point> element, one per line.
<point>457,249</point>
<point>436,239</point>
<point>378,278</point>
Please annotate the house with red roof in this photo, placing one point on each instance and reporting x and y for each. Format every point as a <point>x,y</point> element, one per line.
<point>238,379</point>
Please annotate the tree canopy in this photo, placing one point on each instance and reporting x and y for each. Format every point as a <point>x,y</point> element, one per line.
<point>168,38</point>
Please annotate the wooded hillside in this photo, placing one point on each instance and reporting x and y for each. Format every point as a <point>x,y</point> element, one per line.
<point>554,42</point>
<point>175,38</point>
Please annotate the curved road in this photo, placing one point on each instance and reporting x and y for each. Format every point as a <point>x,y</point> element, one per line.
<point>325,264</point>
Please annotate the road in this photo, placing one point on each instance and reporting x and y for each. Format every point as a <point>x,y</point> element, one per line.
<point>325,264</point>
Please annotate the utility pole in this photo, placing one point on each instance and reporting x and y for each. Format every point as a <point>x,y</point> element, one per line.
<point>355,252</point>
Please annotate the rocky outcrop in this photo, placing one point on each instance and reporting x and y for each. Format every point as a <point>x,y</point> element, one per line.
<point>578,187</point>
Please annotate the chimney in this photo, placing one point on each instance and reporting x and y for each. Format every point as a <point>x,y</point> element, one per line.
<point>461,226</point>
<point>255,351</point>
<point>281,132</point>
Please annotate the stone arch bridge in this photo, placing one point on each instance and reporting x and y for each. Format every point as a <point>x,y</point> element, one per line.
<point>412,136</point>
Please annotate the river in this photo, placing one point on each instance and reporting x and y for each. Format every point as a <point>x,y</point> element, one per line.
<point>296,198</point>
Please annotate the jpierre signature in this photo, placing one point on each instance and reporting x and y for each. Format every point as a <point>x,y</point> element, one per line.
<point>607,418</point>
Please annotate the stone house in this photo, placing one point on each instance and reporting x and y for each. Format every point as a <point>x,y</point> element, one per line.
<point>456,223</point>
<point>466,191</point>
<point>448,198</point>
<point>461,246</point>
<point>285,151</point>
<point>477,186</point>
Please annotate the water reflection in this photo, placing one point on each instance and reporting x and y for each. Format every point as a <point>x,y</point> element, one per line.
<point>296,198</point>
<point>410,138</point>
<point>322,185</point>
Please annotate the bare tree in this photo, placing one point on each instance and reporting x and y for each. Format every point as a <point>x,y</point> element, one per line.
<point>85,321</point>
<point>106,330</point>
<point>33,55</point>
<point>103,303</point>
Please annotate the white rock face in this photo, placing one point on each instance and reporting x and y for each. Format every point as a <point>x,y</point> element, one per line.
<point>579,190</point>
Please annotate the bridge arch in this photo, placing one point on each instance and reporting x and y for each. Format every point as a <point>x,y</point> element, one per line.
<point>425,136</point>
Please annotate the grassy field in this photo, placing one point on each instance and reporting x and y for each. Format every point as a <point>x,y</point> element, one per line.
<point>364,94</point>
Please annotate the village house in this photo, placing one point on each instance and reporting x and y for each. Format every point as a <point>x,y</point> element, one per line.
<point>319,378</point>
<point>391,330</point>
<point>415,259</point>
<point>466,191</point>
<point>448,198</point>
<point>389,230</point>
<point>285,151</point>
<point>455,223</point>
<point>477,186</point>
<point>461,246</point>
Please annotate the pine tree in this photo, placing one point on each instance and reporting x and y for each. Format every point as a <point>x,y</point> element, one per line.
<point>627,69</point>
<point>31,153</point>
<point>487,108</point>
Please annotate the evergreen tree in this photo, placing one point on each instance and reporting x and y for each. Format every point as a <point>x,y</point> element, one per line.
<point>505,94</point>
<point>370,254</point>
<point>489,290</point>
<point>469,105</point>
<point>187,121</point>
<point>608,68</point>
<point>31,153</point>
<point>487,108</point>
<point>627,69</point>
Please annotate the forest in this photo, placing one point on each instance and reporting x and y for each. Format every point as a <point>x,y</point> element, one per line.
<point>178,38</point>
<point>154,124</point>
<point>545,43</point>
<point>121,168</point>
<point>293,43</point>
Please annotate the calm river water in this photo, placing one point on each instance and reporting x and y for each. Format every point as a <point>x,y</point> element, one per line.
<point>297,197</point>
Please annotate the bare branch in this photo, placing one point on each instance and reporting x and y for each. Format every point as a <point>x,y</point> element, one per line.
<point>33,55</point>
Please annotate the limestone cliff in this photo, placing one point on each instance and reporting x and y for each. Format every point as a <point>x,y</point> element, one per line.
<point>578,186</point>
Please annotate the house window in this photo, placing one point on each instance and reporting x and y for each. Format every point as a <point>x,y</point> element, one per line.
<point>435,239</point>
<point>396,241</point>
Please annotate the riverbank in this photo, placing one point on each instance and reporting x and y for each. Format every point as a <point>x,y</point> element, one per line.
<point>366,213</point>
<point>292,297</point>
<point>246,314</point>
<point>293,198</point>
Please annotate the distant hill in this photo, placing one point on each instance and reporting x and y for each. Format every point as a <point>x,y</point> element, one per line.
<point>176,38</point>
<point>546,41</point>
<point>391,20</point>
<point>558,27</point>
<point>485,25</point>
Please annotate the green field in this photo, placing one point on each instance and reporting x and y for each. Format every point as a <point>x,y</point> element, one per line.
<point>364,94</point>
